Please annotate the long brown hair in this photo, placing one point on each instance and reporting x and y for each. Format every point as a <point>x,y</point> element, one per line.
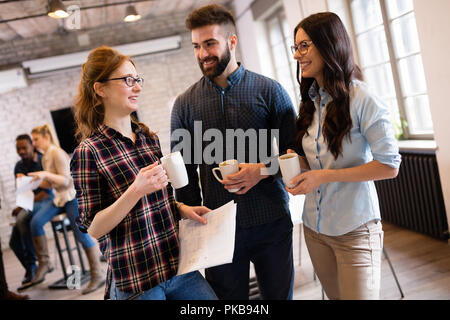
<point>329,36</point>
<point>89,110</point>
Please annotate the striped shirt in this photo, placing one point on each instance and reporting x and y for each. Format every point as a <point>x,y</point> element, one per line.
<point>142,251</point>
<point>251,101</point>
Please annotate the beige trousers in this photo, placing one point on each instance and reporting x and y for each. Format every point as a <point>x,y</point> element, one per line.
<point>348,266</point>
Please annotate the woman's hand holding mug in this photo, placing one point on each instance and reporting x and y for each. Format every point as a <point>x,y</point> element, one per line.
<point>150,179</point>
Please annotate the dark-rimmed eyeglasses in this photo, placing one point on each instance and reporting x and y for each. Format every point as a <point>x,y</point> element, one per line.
<point>302,47</point>
<point>129,80</point>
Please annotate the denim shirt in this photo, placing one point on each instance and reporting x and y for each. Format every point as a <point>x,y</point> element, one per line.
<point>339,207</point>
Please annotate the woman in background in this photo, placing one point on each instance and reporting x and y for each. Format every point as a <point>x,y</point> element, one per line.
<point>56,165</point>
<point>348,141</point>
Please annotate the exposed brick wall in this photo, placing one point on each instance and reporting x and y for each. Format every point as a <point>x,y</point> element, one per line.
<point>166,75</point>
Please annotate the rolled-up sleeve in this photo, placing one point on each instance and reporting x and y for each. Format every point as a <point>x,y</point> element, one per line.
<point>377,128</point>
<point>87,182</point>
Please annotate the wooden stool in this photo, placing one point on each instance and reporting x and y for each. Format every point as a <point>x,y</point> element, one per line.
<point>61,223</point>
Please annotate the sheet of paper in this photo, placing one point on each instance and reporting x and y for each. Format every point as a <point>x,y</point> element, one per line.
<point>24,184</point>
<point>204,246</point>
<point>25,200</point>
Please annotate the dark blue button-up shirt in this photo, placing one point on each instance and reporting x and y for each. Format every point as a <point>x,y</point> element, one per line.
<point>250,101</point>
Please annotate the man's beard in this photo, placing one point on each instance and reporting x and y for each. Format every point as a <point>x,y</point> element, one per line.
<point>220,66</point>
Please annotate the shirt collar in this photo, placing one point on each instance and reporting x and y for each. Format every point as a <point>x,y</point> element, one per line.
<point>233,78</point>
<point>110,133</point>
<point>314,90</point>
<point>236,76</point>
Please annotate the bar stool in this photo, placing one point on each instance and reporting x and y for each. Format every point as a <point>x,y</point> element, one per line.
<point>61,224</point>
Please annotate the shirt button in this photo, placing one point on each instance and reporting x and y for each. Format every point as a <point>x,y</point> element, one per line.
<point>318,191</point>
<point>317,157</point>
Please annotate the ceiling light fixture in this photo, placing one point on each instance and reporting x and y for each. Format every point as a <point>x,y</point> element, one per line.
<point>131,14</point>
<point>56,9</point>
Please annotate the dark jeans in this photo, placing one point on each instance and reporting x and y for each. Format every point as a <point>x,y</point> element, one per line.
<point>269,248</point>
<point>20,241</point>
<point>3,284</point>
<point>22,248</point>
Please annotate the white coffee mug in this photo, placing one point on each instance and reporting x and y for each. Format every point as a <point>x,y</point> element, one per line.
<point>227,167</point>
<point>176,170</point>
<point>290,167</point>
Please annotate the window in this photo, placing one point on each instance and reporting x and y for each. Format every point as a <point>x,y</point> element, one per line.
<point>388,50</point>
<point>285,67</point>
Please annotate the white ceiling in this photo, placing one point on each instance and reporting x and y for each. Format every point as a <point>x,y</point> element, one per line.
<point>89,18</point>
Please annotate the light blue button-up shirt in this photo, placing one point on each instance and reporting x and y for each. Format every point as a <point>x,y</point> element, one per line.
<point>340,207</point>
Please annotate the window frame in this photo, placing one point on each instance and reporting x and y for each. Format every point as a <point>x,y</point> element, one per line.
<point>394,65</point>
<point>278,15</point>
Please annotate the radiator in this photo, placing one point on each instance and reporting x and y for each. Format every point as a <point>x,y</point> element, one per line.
<point>414,199</point>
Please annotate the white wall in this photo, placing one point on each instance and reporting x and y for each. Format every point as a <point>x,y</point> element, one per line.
<point>433,24</point>
<point>251,33</point>
<point>247,35</point>
<point>296,10</point>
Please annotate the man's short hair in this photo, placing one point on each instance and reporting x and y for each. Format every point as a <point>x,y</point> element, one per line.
<point>24,137</point>
<point>209,15</point>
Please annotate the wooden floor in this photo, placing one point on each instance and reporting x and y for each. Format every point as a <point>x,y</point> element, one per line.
<point>422,265</point>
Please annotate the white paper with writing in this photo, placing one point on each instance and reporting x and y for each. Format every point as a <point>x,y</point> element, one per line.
<point>204,246</point>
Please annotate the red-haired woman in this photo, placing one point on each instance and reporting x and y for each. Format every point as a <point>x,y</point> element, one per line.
<point>123,194</point>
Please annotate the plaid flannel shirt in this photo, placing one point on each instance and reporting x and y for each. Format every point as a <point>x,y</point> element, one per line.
<point>142,251</point>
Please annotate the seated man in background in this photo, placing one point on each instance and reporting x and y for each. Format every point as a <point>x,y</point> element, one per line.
<point>20,241</point>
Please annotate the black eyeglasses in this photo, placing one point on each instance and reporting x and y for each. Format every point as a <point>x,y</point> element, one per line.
<point>129,80</point>
<point>302,47</point>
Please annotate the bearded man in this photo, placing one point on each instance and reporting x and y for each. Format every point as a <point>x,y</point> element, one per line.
<point>230,97</point>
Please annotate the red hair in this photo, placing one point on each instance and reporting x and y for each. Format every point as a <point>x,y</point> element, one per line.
<point>89,110</point>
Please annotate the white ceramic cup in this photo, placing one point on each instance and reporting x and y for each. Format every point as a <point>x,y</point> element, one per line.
<point>290,167</point>
<point>227,167</point>
<point>176,170</point>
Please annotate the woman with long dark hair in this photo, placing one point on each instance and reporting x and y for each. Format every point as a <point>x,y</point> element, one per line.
<point>348,142</point>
